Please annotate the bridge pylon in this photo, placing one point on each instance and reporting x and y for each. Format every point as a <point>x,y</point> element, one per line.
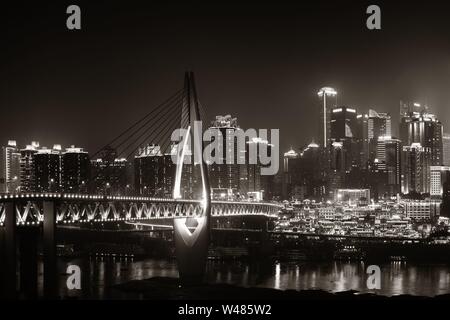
<point>192,234</point>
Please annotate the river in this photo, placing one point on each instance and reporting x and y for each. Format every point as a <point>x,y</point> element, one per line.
<point>99,275</point>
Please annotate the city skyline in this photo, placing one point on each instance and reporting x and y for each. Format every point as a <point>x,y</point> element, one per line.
<point>190,151</point>
<point>384,68</point>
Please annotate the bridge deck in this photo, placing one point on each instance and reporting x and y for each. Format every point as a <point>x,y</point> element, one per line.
<point>83,208</point>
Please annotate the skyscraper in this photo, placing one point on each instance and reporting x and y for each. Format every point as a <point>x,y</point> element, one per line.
<point>149,171</point>
<point>417,125</point>
<point>110,174</point>
<point>343,123</point>
<point>389,152</point>
<point>344,133</point>
<point>311,173</point>
<point>75,167</point>
<point>337,166</point>
<point>225,175</point>
<point>416,161</point>
<point>328,98</point>
<point>290,169</point>
<point>362,135</point>
<point>27,171</point>
<point>47,169</point>
<point>378,125</point>
<point>255,185</point>
<point>169,172</point>
<point>446,149</point>
<point>445,206</point>
<point>438,177</point>
<point>427,130</point>
<point>377,178</point>
<point>408,110</point>
<point>154,172</point>
<point>10,168</point>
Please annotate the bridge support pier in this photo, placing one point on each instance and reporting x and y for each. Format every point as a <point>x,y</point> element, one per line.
<point>49,251</point>
<point>8,246</point>
<point>191,249</point>
<point>28,240</point>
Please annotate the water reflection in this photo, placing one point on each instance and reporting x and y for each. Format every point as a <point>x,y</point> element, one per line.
<point>100,275</point>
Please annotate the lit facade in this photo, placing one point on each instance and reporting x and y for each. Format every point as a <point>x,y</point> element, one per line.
<point>10,168</point>
<point>378,125</point>
<point>27,171</point>
<point>225,172</point>
<point>438,176</point>
<point>446,149</point>
<point>353,196</point>
<point>416,169</point>
<point>47,170</point>
<point>389,151</point>
<point>75,167</point>
<point>421,209</point>
<point>328,99</point>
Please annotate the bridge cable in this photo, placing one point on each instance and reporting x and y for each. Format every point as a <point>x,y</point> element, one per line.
<point>137,122</point>
<point>170,100</point>
<point>155,119</point>
<point>160,128</point>
<point>160,122</point>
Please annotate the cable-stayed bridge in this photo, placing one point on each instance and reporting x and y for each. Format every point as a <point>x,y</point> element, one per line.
<point>182,196</point>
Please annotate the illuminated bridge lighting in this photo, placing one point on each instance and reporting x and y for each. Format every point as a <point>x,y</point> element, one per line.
<point>77,208</point>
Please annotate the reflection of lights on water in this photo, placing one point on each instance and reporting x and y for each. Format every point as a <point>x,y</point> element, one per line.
<point>101,271</point>
<point>118,269</point>
<point>245,276</point>
<point>277,276</point>
<point>443,280</point>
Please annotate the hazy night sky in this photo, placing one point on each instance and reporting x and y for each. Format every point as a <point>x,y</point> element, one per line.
<point>261,62</point>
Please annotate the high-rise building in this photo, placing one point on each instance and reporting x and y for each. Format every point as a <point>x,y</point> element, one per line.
<point>377,179</point>
<point>149,171</point>
<point>169,172</point>
<point>47,169</point>
<point>27,171</point>
<point>155,173</point>
<point>428,131</point>
<point>224,172</point>
<point>290,171</point>
<point>253,184</point>
<point>345,134</point>
<point>408,110</point>
<point>445,207</point>
<point>110,174</point>
<point>75,167</point>
<point>378,125</point>
<point>10,168</point>
<point>446,149</point>
<point>388,153</point>
<point>343,123</point>
<point>337,166</point>
<point>438,177</point>
<point>328,101</point>
<point>311,178</point>
<point>417,125</point>
<point>416,161</point>
<point>363,139</point>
